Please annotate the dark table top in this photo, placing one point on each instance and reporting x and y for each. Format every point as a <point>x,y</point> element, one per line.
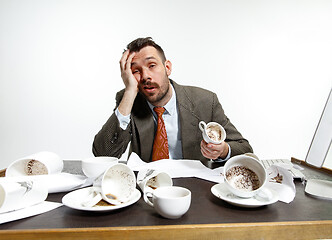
<point>205,209</point>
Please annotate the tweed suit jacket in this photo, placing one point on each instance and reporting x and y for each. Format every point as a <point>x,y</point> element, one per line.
<point>194,105</point>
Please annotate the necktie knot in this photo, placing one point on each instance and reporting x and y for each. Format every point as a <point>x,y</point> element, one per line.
<point>159,111</point>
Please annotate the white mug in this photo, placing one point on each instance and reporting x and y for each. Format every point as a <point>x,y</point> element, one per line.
<point>245,176</point>
<point>170,202</point>
<point>16,194</point>
<point>150,179</point>
<point>116,185</point>
<point>41,163</point>
<point>212,132</point>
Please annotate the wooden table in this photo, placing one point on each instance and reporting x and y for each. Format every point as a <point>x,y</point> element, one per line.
<point>207,218</point>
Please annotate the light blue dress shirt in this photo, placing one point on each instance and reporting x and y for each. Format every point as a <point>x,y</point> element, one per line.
<point>173,127</point>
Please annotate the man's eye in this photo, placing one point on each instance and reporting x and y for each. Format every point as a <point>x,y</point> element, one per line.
<point>152,65</point>
<point>135,71</point>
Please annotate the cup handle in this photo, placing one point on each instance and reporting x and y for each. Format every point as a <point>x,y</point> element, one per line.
<point>146,196</point>
<point>202,126</point>
<point>93,198</point>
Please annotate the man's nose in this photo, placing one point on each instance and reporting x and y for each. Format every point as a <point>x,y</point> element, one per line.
<point>146,75</point>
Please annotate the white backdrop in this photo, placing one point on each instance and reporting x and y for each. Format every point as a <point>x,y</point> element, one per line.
<point>268,61</point>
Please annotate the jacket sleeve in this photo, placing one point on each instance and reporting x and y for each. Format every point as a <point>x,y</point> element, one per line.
<point>237,143</point>
<point>112,140</point>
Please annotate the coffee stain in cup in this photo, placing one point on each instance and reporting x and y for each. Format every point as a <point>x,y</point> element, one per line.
<point>111,196</point>
<point>152,183</point>
<point>35,167</point>
<point>214,132</point>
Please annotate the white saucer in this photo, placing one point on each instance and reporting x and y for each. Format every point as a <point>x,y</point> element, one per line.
<point>74,200</point>
<point>221,191</point>
<point>319,188</point>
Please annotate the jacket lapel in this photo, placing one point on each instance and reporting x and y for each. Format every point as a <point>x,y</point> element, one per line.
<point>188,121</point>
<point>144,126</point>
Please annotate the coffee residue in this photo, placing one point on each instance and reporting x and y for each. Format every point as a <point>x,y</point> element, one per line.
<point>35,167</point>
<point>103,203</point>
<point>111,196</point>
<point>277,179</point>
<point>152,183</point>
<point>243,178</point>
<point>214,133</point>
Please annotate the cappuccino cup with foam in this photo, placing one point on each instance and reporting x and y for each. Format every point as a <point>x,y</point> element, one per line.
<point>244,176</point>
<point>212,132</point>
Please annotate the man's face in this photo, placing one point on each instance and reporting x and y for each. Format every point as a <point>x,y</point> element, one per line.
<point>152,75</point>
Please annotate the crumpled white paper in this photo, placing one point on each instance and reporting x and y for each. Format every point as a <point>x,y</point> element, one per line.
<point>179,168</point>
<point>281,181</point>
<point>39,208</point>
<point>60,182</point>
<point>193,168</point>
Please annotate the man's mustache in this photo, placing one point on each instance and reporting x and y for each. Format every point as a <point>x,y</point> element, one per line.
<point>148,83</point>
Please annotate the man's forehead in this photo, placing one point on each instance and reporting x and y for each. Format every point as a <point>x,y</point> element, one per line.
<point>146,54</point>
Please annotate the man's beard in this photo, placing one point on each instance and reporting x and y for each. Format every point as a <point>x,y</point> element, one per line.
<point>163,90</point>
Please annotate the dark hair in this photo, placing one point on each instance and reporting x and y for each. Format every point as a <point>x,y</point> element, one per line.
<point>139,43</point>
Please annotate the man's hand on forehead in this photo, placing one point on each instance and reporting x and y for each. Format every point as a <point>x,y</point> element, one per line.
<point>126,74</point>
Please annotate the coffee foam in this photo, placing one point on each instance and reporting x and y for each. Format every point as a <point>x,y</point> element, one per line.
<point>243,178</point>
<point>214,132</point>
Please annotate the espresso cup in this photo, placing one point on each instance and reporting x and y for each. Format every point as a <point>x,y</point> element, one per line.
<point>16,194</point>
<point>116,185</point>
<point>41,163</point>
<point>170,202</point>
<point>212,132</point>
<point>150,179</point>
<point>244,176</point>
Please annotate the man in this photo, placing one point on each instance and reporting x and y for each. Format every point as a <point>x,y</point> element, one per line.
<point>145,73</point>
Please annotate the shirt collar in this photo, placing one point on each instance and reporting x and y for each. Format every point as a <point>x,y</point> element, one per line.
<point>170,106</point>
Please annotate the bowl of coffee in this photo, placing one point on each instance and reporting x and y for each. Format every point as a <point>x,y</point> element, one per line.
<point>244,176</point>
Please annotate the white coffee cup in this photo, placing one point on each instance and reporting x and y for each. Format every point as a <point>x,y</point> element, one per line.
<point>245,176</point>
<point>41,163</point>
<point>16,194</point>
<point>95,166</point>
<point>170,202</point>
<point>212,132</point>
<point>116,185</point>
<point>150,179</point>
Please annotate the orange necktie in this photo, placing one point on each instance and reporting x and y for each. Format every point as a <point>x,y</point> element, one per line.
<point>160,144</point>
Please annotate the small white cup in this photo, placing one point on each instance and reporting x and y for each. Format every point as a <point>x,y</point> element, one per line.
<point>95,166</point>
<point>116,185</point>
<point>41,163</point>
<point>150,179</point>
<point>245,176</point>
<point>212,132</point>
<point>16,194</point>
<point>170,202</point>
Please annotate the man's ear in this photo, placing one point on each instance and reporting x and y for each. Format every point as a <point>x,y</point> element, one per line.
<point>168,66</point>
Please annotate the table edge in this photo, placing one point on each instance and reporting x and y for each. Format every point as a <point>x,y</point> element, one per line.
<point>268,230</point>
